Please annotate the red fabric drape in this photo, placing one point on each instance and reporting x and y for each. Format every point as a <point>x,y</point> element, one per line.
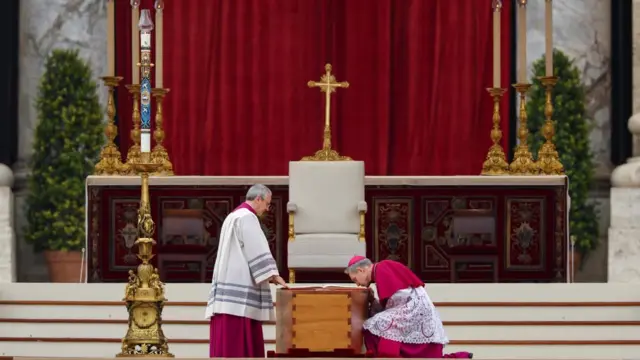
<point>239,104</point>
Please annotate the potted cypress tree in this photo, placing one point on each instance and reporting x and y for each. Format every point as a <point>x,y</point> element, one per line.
<point>67,142</point>
<point>572,142</point>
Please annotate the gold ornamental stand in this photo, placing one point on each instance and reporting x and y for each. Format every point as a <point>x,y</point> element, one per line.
<point>159,154</point>
<point>144,294</point>
<point>133,155</point>
<point>110,158</point>
<point>523,163</point>
<point>548,159</point>
<point>496,161</point>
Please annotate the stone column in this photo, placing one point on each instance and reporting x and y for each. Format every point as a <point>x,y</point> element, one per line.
<point>46,25</point>
<point>624,233</point>
<point>7,235</point>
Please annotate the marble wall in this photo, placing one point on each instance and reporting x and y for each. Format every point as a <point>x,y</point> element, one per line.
<point>46,25</point>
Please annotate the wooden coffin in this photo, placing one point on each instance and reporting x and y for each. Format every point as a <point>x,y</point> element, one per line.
<point>320,318</point>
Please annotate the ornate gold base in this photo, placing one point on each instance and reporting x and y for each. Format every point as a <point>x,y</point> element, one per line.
<point>326,155</point>
<point>160,156</point>
<point>110,163</point>
<point>496,160</point>
<point>144,350</point>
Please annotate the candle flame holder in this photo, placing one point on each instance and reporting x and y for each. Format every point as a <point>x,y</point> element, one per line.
<point>110,158</point>
<point>496,161</point>
<point>523,163</point>
<point>548,158</point>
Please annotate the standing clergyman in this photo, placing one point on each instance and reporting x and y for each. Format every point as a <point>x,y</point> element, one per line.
<point>240,298</point>
<point>404,322</point>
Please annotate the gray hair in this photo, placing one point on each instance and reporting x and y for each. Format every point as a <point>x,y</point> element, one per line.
<point>360,264</point>
<point>257,191</point>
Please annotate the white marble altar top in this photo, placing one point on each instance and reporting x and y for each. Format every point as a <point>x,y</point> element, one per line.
<point>369,180</point>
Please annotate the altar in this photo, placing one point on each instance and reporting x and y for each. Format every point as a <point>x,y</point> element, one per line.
<point>446,229</point>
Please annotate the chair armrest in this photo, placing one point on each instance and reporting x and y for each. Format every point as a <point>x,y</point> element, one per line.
<point>362,206</point>
<point>291,209</point>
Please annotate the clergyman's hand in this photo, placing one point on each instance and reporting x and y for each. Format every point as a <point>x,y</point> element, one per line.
<point>278,280</point>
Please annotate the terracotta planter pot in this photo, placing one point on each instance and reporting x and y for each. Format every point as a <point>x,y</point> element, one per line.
<point>577,262</point>
<point>64,266</point>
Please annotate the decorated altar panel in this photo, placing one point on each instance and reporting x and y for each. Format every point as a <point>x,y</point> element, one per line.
<point>446,229</point>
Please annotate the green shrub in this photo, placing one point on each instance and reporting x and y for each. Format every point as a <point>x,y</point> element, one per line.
<point>67,143</point>
<point>571,140</point>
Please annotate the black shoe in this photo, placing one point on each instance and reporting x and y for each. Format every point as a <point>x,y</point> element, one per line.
<point>470,355</point>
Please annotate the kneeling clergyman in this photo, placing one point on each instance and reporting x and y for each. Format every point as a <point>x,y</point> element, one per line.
<point>240,297</point>
<point>404,321</point>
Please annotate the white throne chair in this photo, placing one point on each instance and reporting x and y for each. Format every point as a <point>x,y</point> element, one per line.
<point>326,215</point>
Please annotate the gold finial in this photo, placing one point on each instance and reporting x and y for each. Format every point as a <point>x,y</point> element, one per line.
<point>523,163</point>
<point>496,5</point>
<point>496,161</point>
<point>548,159</point>
<point>327,85</point>
<point>110,158</point>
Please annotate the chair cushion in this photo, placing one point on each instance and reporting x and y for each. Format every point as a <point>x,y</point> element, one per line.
<point>324,250</point>
<point>326,195</point>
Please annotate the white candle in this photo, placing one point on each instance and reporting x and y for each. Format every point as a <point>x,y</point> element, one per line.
<point>111,34</point>
<point>548,22</point>
<point>497,7</point>
<point>522,41</point>
<point>159,5</point>
<point>135,42</point>
<point>145,143</point>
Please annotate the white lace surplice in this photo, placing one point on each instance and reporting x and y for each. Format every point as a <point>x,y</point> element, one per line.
<point>409,317</point>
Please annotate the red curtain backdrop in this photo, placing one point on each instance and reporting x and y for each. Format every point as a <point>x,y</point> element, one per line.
<point>239,103</point>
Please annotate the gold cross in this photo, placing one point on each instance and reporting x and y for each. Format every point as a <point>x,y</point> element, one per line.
<point>328,85</point>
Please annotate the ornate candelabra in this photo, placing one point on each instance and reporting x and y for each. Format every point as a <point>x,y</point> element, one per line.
<point>496,161</point>
<point>110,158</point>
<point>133,155</point>
<point>548,159</point>
<point>159,154</point>
<point>523,163</point>
<point>144,293</point>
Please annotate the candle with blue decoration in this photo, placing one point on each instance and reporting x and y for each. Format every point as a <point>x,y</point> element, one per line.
<point>146,26</point>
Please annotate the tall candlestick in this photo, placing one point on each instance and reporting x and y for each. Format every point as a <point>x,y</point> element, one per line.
<point>548,24</point>
<point>135,42</point>
<point>159,5</point>
<point>497,9</point>
<point>146,26</point>
<point>522,41</point>
<point>111,34</point>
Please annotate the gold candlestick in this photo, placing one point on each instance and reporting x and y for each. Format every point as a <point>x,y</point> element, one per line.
<point>496,161</point>
<point>133,156</point>
<point>548,159</point>
<point>159,154</point>
<point>144,293</point>
<point>523,163</point>
<point>110,158</point>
